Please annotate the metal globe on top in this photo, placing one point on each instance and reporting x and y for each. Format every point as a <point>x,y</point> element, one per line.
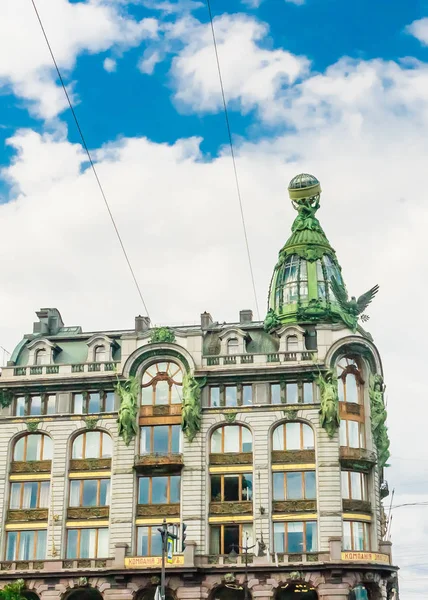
<point>304,186</point>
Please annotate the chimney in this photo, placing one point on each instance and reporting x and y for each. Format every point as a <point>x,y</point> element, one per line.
<point>245,316</point>
<point>50,321</point>
<point>142,324</point>
<point>206,320</point>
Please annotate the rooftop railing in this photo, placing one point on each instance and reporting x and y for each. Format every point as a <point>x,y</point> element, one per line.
<point>42,370</point>
<point>259,359</point>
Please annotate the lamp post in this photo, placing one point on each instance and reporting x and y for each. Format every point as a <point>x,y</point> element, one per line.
<point>233,554</point>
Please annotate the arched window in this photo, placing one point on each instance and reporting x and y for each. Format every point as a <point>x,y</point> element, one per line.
<point>292,343</point>
<point>293,436</point>
<point>292,281</point>
<point>100,354</point>
<point>34,446</point>
<point>162,384</point>
<point>231,438</point>
<point>92,444</point>
<point>41,357</point>
<point>233,346</point>
<point>350,380</point>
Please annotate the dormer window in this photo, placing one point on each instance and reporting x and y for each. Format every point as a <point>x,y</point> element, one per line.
<point>292,343</point>
<point>41,357</point>
<point>233,346</point>
<point>100,354</point>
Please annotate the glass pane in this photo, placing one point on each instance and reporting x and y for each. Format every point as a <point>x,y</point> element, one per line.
<point>78,447</point>
<point>147,395</point>
<point>215,540</point>
<point>345,485</point>
<point>231,439</point>
<point>41,545</point>
<point>12,538</point>
<point>215,396</point>
<point>143,490</point>
<point>275,393</point>
<point>29,498</point>
<point>233,346</point>
<point>215,488</point>
<point>278,537</point>
<point>162,392</point>
<point>310,485</point>
<point>353,434</point>
<point>351,388</point>
<point>106,451</point>
<point>174,488</point>
<point>278,438</point>
<point>159,490</point>
<point>144,440</point>
<point>358,536</point>
<point>51,404</point>
<point>341,390</point>
<point>294,485</point>
<point>347,538</point>
<point>74,493</point>
<point>278,486</point>
<point>102,546</point>
<point>308,437</point>
<point>156,542</point>
<point>72,543</point>
<point>247,440</point>
<point>44,494</point>
<point>18,453</point>
<point>247,395</point>
<point>33,447</point>
<point>231,538</point>
<point>36,405</point>
<point>357,493</point>
<point>216,440</point>
<point>160,439</point>
<point>292,436</point>
<point>176,393</point>
<point>47,448</point>
<point>26,545</point>
<point>94,403</point>
<point>231,396</point>
<point>109,401</point>
<point>295,537</point>
<point>308,393</point>
<point>87,543</point>
<point>78,404</point>
<point>311,536</point>
<point>247,487</point>
<point>90,489</point>
<point>15,495</point>
<point>20,406</point>
<point>175,439</point>
<point>92,444</point>
<point>231,488</point>
<point>342,433</point>
<point>143,541</point>
<point>292,393</point>
<point>247,535</point>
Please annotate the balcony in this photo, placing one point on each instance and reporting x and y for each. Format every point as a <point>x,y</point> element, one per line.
<point>224,360</point>
<point>357,459</point>
<point>90,464</point>
<point>31,466</point>
<point>159,463</point>
<point>294,506</point>
<point>88,512</point>
<point>27,515</point>
<point>358,506</point>
<point>44,370</point>
<point>55,566</point>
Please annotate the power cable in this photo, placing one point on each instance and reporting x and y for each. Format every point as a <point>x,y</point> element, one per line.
<point>90,159</point>
<point>235,170</point>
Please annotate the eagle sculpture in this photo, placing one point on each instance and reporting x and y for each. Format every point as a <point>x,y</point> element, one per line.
<point>353,307</point>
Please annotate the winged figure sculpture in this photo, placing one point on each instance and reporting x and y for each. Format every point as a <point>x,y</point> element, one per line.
<point>353,307</point>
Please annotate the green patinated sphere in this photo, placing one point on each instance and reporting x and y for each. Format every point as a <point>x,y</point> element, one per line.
<point>303,186</point>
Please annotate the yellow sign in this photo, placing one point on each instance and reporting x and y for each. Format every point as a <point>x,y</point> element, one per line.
<point>366,557</point>
<point>150,562</point>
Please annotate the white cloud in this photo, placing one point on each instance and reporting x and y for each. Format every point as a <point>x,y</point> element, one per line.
<point>73,28</point>
<point>170,8</point>
<point>149,60</point>
<point>419,29</point>
<point>252,75</point>
<point>110,65</point>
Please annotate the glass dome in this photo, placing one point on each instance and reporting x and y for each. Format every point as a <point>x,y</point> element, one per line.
<point>303,180</point>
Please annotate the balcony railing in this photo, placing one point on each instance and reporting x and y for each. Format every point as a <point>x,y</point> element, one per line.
<point>41,370</point>
<point>158,461</point>
<point>259,359</point>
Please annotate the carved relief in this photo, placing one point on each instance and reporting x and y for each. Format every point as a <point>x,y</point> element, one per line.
<point>293,456</point>
<point>89,512</point>
<point>284,506</point>
<point>158,510</point>
<point>31,466</point>
<point>31,514</point>
<point>90,464</point>
<point>231,508</point>
<point>357,506</point>
<point>232,458</point>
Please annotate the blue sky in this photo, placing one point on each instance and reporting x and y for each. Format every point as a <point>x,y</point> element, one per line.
<point>331,87</point>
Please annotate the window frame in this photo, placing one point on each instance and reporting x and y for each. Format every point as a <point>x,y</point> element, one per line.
<point>150,489</point>
<point>283,392</point>
<point>366,535</point>
<point>163,376</point>
<point>81,487</point>
<point>349,485</point>
<point>362,440</point>
<point>84,434</point>
<point>170,436</point>
<point>25,437</point>
<point>221,526</point>
<point>86,399</point>
<point>222,428</point>
<point>286,542</point>
<point>18,542</point>
<point>21,494</point>
<point>303,486</point>
<point>222,390</point>
<point>240,487</point>
<point>284,436</point>
<point>79,538</point>
<point>44,405</point>
<point>350,369</point>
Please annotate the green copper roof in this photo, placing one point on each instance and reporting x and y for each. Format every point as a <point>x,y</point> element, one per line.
<point>307,284</point>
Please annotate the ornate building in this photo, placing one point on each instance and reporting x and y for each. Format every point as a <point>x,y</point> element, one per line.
<point>268,440</point>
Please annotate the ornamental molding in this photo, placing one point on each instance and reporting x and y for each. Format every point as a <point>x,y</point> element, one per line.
<point>358,345</point>
<point>150,353</point>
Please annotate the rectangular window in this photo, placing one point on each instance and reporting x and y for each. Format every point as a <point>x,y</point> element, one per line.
<point>30,494</point>
<point>87,543</point>
<point>355,536</point>
<point>149,541</point>
<point>247,395</point>
<point>26,545</point>
<point>351,434</point>
<point>224,538</point>
<point>231,396</point>
<point>295,537</point>
<point>308,393</point>
<point>89,492</point>
<point>231,488</point>
<point>214,397</point>
<point>161,439</point>
<point>354,485</point>
<point>294,485</point>
<point>35,405</point>
<point>20,406</point>
<point>159,490</point>
<point>275,393</point>
<point>291,393</point>
<point>93,403</point>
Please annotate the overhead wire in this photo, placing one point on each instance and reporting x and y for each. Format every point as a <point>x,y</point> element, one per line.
<point>235,170</point>
<point>85,146</point>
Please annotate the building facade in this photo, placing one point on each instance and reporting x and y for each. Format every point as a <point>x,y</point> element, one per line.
<point>266,440</point>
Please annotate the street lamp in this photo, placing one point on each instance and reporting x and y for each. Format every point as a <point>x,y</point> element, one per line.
<point>233,554</point>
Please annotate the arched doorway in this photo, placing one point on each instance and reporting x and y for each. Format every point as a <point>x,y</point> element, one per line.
<point>149,594</point>
<point>84,593</point>
<point>231,591</point>
<point>296,591</point>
